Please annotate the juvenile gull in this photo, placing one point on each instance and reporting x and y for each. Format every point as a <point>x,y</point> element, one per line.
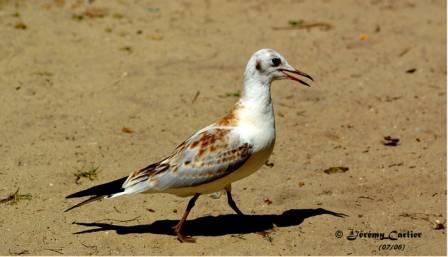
<point>228,150</point>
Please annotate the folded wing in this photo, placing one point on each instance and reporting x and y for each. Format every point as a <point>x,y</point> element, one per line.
<point>206,156</point>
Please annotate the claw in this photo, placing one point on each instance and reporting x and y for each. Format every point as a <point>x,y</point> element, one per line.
<point>185,239</point>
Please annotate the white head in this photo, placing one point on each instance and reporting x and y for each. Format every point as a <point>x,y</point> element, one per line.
<point>266,65</point>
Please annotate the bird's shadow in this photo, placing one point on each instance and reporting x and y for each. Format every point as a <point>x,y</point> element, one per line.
<point>216,226</point>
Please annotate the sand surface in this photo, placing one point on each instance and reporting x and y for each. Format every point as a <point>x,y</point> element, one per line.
<point>115,85</point>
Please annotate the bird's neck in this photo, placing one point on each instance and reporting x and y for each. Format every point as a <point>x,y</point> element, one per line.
<point>256,114</point>
<point>254,108</point>
<point>256,103</point>
<point>257,93</point>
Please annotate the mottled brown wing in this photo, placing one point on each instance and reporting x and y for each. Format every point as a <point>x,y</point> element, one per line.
<point>206,156</point>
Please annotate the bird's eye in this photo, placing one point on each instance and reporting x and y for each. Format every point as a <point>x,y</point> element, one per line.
<point>276,62</point>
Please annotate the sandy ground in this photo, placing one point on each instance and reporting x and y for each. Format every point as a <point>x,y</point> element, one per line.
<point>118,84</point>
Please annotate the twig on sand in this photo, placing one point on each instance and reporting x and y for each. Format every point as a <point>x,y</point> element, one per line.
<point>301,24</point>
<point>196,97</point>
<point>93,247</point>
<point>16,197</point>
<point>55,250</point>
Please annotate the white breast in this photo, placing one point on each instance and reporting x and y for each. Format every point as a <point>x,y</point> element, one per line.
<point>254,127</point>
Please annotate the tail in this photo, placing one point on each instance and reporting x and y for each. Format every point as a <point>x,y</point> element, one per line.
<point>106,190</point>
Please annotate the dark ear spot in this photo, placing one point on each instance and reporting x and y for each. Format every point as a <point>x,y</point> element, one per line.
<point>258,65</point>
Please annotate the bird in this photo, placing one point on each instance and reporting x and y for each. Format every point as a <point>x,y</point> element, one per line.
<point>231,148</point>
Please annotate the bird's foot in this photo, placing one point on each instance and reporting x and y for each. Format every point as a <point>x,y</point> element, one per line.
<point>184,238</point>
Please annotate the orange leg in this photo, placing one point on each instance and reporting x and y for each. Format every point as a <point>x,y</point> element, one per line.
<point>178,227</point>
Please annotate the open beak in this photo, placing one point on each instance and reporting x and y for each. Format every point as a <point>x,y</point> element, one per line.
<point>288,73</point>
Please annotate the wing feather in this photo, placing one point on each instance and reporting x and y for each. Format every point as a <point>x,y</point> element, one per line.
<point>206,156</point>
